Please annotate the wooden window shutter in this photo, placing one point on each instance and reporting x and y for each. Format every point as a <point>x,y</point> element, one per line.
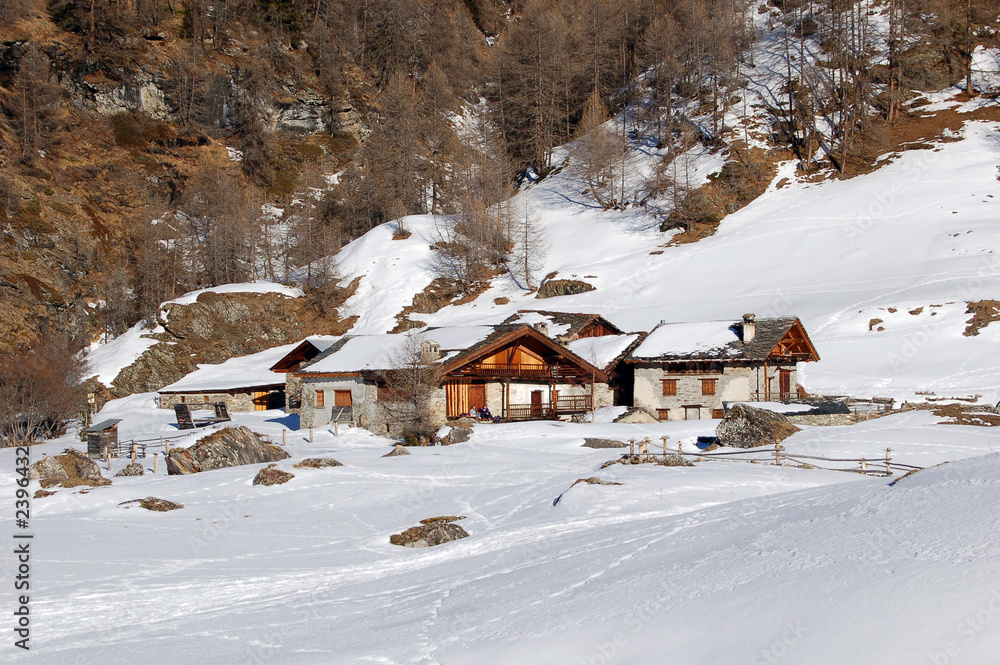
<point>669,387</point>
<point>320,398</point>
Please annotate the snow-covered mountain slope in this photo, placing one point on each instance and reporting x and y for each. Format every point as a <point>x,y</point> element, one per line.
<point>921,232</point>
<point>719,562</point>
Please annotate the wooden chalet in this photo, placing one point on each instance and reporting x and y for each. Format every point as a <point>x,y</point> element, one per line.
<point>516,371</point>
<point>691,370</point>
<point>564,327</point>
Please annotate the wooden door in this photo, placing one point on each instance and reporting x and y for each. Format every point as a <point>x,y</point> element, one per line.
<point>785,384</point>
<point>692,413</point>
<point>477,395</point>
<point>342,398</point>
<point>536,402</point>
<point>261,399</point>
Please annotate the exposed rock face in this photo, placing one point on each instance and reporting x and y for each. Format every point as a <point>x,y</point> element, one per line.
<point>562,287</point>
<point>70,469</point>
<point>272,476</point>
<point>456,434</point>
<point>231,446</point>
<point>317,463</point>
<point>748,427</point>
<point>431,532</point>
<point>132,469</point>
<point>153,503</point>
<point>675,460</point>
<point>603,443</point>
<point>396,451</point>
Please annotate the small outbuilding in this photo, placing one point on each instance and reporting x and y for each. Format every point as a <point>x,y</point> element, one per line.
<point>103,435</point>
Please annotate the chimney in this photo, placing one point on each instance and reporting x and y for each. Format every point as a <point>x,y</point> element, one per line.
<point>542,327</point>
<point>749,327</point>
<point>430,351</point>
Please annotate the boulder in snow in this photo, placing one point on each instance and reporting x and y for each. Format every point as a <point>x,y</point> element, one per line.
<point>431,532</point>
<point>131,469</point>
<point>748,427</point>
<point>71,469</point>
<point>396,451</point>
<point>317,463</point>
<point>269,475</point>
<point>153,503</point>
<point>603,443</point>
<point>230,446</point>
<point>455,434</point>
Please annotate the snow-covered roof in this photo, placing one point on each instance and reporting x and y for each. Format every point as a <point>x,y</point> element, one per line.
<point>561,325</point>
<point>711,340</point>
<point>375,352</point>
<point>602,351</point>
<point>243,371</point>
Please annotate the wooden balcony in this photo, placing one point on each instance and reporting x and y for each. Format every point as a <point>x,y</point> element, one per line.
<point>546,410</point>
<point>513,371</point>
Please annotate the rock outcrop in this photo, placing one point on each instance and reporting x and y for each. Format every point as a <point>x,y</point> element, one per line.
<point>153,503</point>
<point>317,463</point>
<point>131,469</point>
<point>71,469</point>
<point>748,427</point>
<point>455,434</point>
<point>431,532</point>
<point>603,443</point>
<point>674,459</point>
<point>231,446</point>
<point>269,475</point>
<point>562,287</point>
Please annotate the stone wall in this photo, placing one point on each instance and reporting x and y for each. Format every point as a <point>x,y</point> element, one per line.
<point>829,419</point>
<point>734,384</point>
<point>236,403</point>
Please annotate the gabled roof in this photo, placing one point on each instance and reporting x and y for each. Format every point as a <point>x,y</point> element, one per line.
<point>353,354</point>
<point>606,351</point>
<point>562,325</point>
<point>504,335</point>
<point>774,338</point>
<point>460,346</point>
<point>240,373</point>
<point>307,349</point>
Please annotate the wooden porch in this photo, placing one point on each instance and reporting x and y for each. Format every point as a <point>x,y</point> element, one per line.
<point>547,410</point>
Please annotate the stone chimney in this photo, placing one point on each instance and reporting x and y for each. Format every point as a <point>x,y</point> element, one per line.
<point>749,327</point>
<point>542,327</point>
<point>430,351</point>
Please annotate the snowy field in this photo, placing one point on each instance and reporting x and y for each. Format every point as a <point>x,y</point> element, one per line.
<point>723,562</point>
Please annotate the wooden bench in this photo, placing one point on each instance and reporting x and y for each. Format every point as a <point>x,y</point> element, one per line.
<point>186,421</point>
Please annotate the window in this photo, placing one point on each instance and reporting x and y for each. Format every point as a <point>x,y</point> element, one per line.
<point>669,387</point>
<point>663,414</point>
<point>718,413</point>
<point>204,398</point>
<point>708,386</point>
<point>320,398</point>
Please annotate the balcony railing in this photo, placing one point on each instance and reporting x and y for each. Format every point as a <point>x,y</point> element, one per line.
<point>514,371</point>
<point>543,410</point>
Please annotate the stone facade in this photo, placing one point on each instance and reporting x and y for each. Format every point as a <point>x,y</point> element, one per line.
<point>236,402</point>
<point>733,384</point>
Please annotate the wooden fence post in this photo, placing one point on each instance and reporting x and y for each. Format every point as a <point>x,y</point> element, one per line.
<point>888,465</point>
<point>336,428</point>
<point>864,465</point>
<point>284,436</point>
<point>156,462</point>
<point>166,447</point>
<point>134,450</point>
<point>107,458</point>
<point>665,445</point>
<point>310,435</point>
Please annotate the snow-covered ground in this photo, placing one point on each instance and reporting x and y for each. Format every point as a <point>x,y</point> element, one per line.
<point>721,562</point>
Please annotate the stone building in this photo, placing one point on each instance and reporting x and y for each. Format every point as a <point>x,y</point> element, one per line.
<point>517,371</point>
<point>247,383</point>
<point>688,371</point>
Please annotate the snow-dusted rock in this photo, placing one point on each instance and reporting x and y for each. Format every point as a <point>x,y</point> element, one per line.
<point>230,446</point>
<point>748,427</point>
